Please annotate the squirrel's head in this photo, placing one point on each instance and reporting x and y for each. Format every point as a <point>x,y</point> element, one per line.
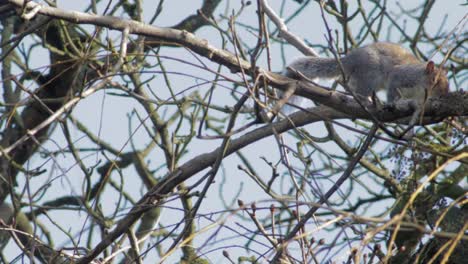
<point>437,78</point>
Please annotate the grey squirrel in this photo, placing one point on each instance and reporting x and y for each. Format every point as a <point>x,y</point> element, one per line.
<point>379,66</point>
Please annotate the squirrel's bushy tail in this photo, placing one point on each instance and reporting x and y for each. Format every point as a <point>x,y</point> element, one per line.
<point>314,67</point>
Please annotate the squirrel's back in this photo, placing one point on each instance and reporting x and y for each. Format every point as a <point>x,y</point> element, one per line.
<point>380,56</point>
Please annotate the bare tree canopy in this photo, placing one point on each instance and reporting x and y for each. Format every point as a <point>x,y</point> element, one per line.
<point>174,131</point>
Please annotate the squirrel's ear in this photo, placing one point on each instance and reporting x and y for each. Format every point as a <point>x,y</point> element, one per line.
<point>430,67</point>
